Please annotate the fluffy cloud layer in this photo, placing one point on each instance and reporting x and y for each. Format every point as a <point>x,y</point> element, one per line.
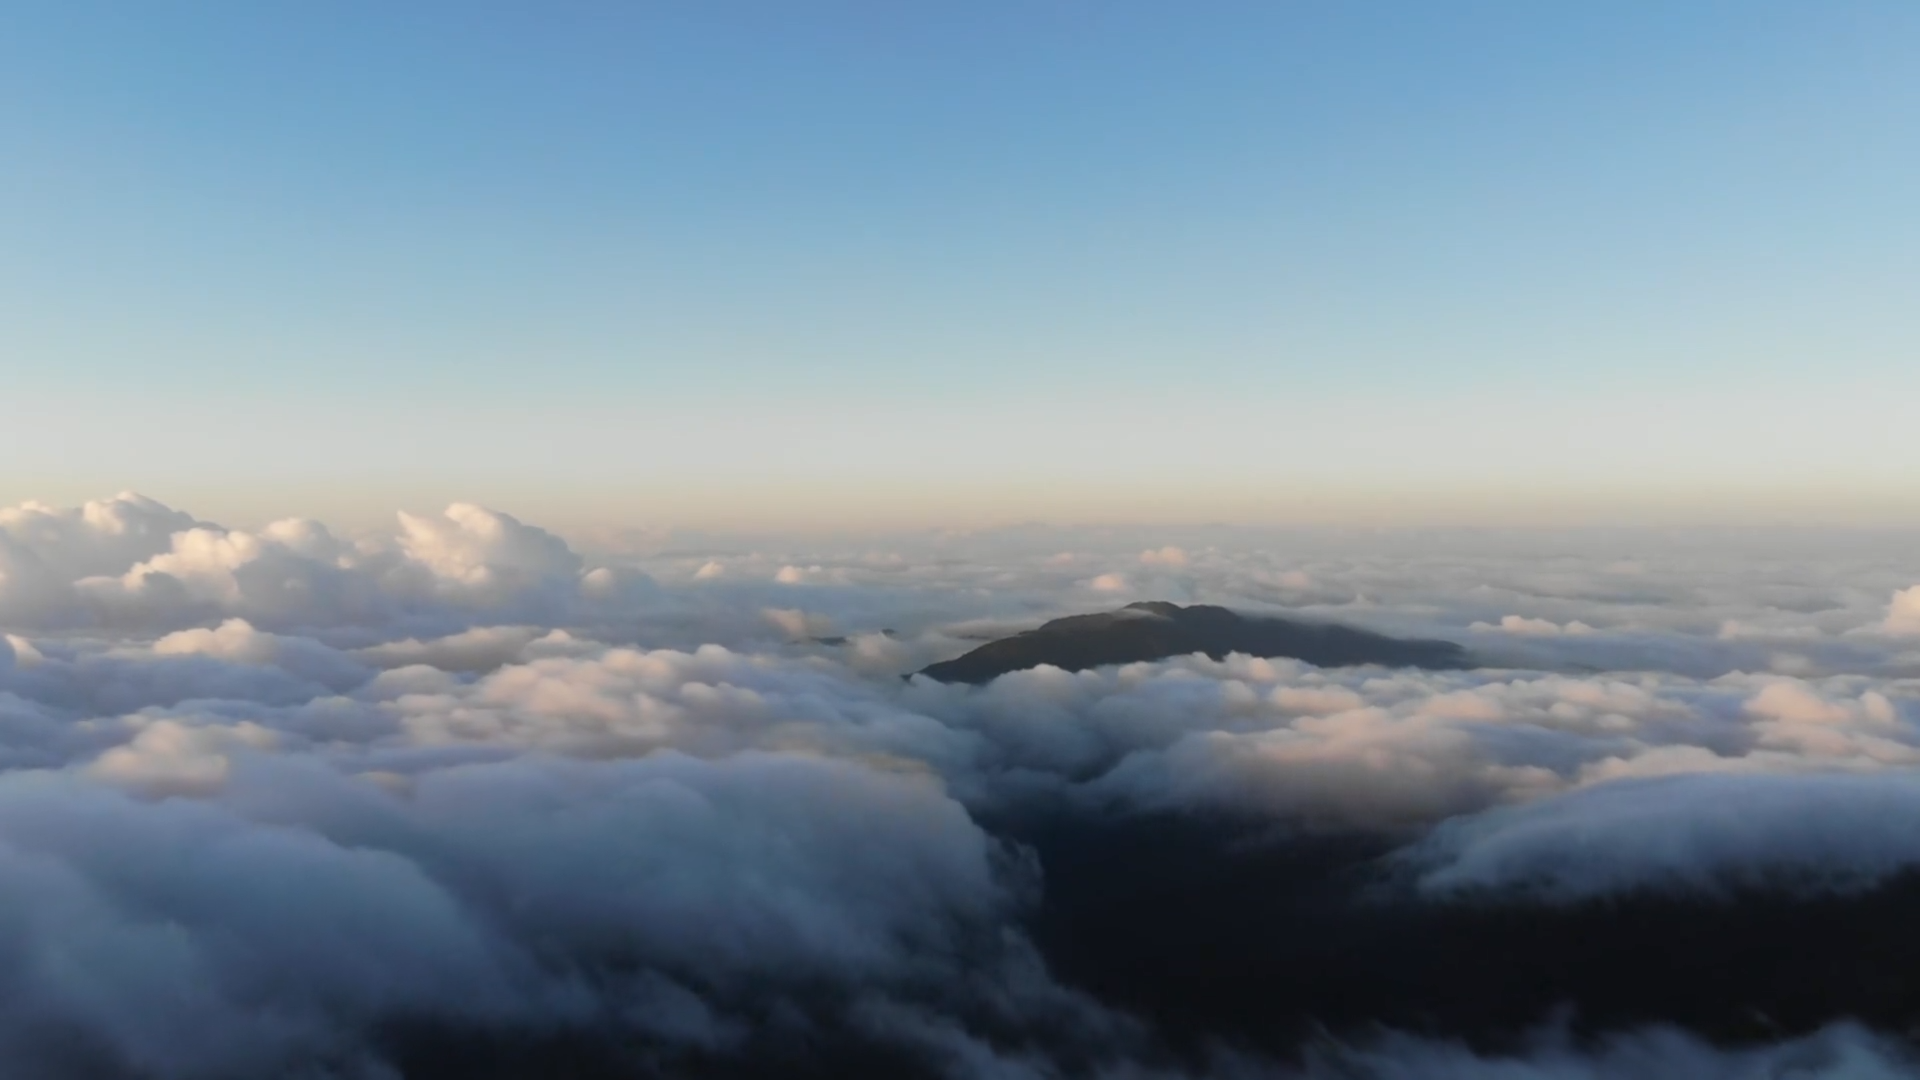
<point>131,564</point>
<point>349,805</point>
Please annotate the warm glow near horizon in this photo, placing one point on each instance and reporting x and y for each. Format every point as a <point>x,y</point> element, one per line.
<point>1838,454</point>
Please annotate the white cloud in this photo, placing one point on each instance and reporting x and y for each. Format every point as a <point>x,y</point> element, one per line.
<point>1903,612</point>
<point>167,757</point>
<point>1166,556</point>
<point>797,624</point>
<point>485,557</point>
<point>1516,624</point>
<point>30,592</point>
<point>1701,832</point>
<point>482,648</point>
<point>102,537</point>
<point>234,639</point>
<point>131,562</point>
<point>20,651</point>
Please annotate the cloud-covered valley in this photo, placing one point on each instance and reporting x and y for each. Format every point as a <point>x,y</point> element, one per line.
<point>467,799</point>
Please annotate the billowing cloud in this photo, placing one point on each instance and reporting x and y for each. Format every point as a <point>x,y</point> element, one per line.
<point>102,537</point>
<point>479,556</point>
<point>1166,556</point>
<point>1519,624</point>
<point>289,911</point>
<point>131,563</point>
<point>1695,833</point>
<point>1903,612</point>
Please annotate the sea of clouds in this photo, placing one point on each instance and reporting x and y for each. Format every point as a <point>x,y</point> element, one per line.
<point>465,799</point>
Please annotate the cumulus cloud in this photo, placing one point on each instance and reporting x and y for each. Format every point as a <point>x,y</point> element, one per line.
<point>481,648</point>
<point>1518,624</point>
<point>1903,612</point>
<point>1842,1052</point>
<point>798,624</point>
<point>131,563</point>
<point>101,537</point>
<point>480,556</point>
<point>1700,832</point>
<point>287,916</point>
<point>1166,556</point>
<point>19,650</point>
<point>289,572</point>
<point>167,757</point>
<point>29,589</point>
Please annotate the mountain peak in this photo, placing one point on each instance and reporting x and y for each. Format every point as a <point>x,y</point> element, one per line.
<point>1158,629</point>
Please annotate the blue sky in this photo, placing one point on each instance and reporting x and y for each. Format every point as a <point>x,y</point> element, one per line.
<point>738,263</point>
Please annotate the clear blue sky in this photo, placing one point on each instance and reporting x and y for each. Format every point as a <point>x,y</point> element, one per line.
<point>720,261</point>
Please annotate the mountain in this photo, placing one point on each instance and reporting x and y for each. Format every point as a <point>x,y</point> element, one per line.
<point>1155,630</point>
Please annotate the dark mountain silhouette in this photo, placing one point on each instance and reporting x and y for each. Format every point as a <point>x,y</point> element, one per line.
<point>1155,630</point>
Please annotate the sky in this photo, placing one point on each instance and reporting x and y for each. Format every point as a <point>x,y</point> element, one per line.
<point>852,264</point>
